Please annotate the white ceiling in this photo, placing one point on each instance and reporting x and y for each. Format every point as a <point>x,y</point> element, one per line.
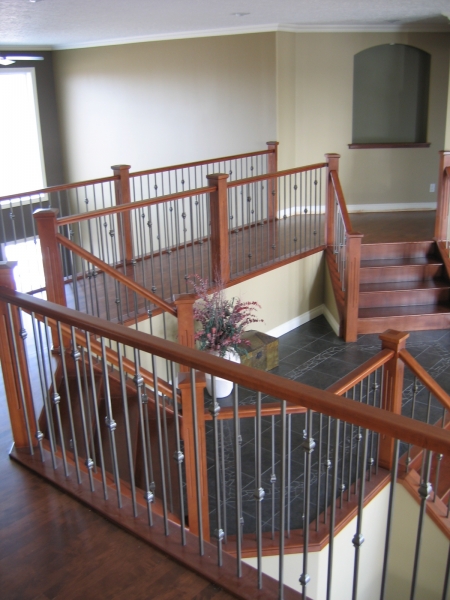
<point>53,24</point>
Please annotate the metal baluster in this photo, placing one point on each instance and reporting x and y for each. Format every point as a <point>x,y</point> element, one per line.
<point>96,414</point>
<point>352,433</point>
<point>148,494</point>
<point>178,455</point>
<point>289,468</point>
<point>389,517</point>
<point>282,501</point>
<point>76,358</point>
<point>110,424</point>
<point>120,352</point>
<point>358,538</point>
<point>319,472</point>
<point>273,477</point>
<point>160,442</point>
<point>23,335</point>
<point>56,398</point>
<point>46,399</point>
<point>333,510</point>
<point>328,467</point>
<point>215,410</point>
<point>238,496</point>
<point>425,490</point>
<point>224,489</point>
<point>308,447</point>
<point>446,579</point>
<point>342,485</point>
<point>259,491</point>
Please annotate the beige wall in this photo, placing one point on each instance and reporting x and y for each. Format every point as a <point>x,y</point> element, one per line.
<point>162,103</point>
<point>159,103</point>
<point>322,121</point>
<point>371,559</point>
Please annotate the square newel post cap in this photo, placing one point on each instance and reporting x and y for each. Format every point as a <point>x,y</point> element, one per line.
<point>394,340</point>
<point>121,167</point>
<point>184,380</point>
<point>46,213</point>
<point>7,275</point>
<point>273,143</point>
<point>184,299</point>
<point>217,176</point>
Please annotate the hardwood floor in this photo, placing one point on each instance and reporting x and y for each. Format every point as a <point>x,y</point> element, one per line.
<point>408,226</point>
<point>52,547</point>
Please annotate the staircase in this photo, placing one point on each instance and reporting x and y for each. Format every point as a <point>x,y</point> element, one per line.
<point>403,286</point>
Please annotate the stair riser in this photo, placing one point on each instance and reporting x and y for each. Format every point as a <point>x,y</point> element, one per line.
<point>396,250</point>
<point>403,298</point>
<point>400,273</point>
<point>403,323</point>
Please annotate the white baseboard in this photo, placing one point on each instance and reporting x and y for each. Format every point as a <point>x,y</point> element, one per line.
<point>331,320</point>
<point>401,206</point>
<point>297,321</point>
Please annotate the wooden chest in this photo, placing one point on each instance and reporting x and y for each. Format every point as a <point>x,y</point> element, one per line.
<point>262,353</point>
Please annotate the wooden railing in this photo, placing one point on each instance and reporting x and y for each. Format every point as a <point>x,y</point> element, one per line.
<point>343,253</point>
<point>312,404</point>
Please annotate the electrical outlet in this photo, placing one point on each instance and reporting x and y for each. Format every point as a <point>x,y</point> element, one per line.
<point>432,187</point>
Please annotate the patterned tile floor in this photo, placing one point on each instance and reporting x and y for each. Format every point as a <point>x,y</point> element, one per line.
<point>314,355</point>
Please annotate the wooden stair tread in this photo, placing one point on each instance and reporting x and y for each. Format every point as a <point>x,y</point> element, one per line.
<point>396,250</point>
<point>393,286</point>
<point>376,263</point>
<point>390,311</point>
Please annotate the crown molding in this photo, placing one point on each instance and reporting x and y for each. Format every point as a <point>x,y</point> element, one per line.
<point>270,28</point>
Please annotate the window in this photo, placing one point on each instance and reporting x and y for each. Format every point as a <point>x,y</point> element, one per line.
<point>390,96</point>
<point>21,158</point>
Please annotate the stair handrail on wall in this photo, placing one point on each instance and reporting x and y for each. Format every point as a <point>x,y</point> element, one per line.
<point>137,515</point>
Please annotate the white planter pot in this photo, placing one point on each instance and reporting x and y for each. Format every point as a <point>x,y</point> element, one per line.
<point>223,386</point>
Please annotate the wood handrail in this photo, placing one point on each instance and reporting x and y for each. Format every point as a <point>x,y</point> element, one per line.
<point>342,205</point>
<point>362,415</point>
<point>201,162</point>
<point>425,378</point>
<point>59,188</point>
<point>129,283</point>
<point>357,375</point>
<point>94,214</point>
<point>238,182</point>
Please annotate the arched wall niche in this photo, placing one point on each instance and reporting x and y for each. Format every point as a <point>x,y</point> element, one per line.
<point>390,95</point>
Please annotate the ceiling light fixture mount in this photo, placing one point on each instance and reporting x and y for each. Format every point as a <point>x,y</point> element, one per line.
<point>240,14</point>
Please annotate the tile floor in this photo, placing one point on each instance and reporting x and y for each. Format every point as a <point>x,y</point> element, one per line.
<point>314,355</point>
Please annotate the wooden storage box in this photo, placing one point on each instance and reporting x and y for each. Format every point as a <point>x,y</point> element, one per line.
<point>262,353</point>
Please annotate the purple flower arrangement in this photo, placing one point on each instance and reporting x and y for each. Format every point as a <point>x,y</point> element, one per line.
<point>223,321</point>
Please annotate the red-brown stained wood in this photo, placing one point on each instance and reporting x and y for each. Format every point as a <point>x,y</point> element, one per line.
<point>220,252</point>
<point>187,434</point>
<point>352,286</point>
<point>442,209</point>
<point>185,319</point>
<point>15,375</point>
<point>123,197</point>
<point>392,390</point>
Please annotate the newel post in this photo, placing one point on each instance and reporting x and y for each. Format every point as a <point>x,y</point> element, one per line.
<point>440,228</point>
<point>391,394</point>
<point>220,253</point>
<point>47,228</point>
<point>14,367</point>
<point>333,165</point>
<point>351,279</point>
<point>123,196</point>
<point>196,471</point>
<point>185,320</point>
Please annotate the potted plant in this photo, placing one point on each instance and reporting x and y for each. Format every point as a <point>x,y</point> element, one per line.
<point>222,324</point>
